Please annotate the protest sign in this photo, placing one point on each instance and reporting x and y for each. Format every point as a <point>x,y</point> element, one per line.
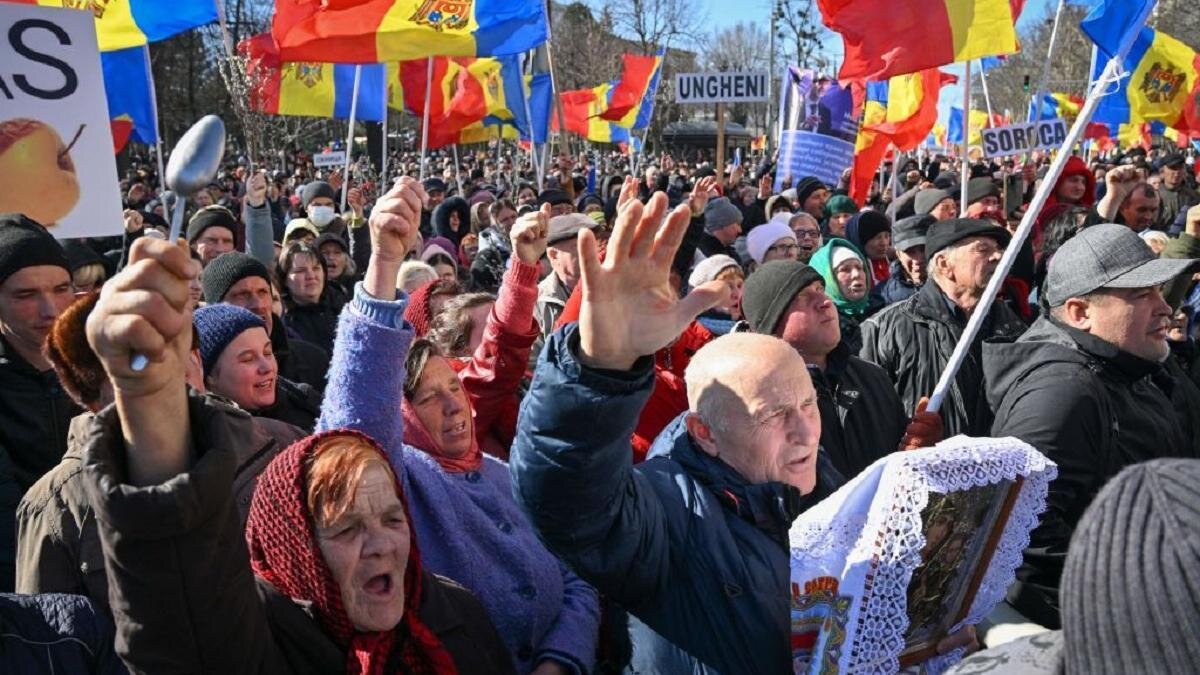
<point>1022,138</point>
<point>331,158</point>
<point>807,153</point>
<point>720,87</point>
<point>818,128</point>
<point>56,157</point>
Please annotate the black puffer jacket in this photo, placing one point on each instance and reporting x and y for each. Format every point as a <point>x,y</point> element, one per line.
<point>861,416</point>
<point>913,340</point>
<point>55,633</point>
<point>1091,409</point>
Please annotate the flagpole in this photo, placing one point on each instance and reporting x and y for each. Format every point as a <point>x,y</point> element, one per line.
<point>457,176</point>
<point>562,118</point>
<point>350,136</point>
<point>425,116</point>
<point>1035,109</point>
<point>1112,73</point>
<point>383,161</point>
<point>162,173</point>
<point>966,161</point>
<point>987,98</point>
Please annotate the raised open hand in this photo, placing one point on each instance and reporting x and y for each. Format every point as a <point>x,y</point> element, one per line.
<point>629,192</point>
<point>528,235</point>
<point>629,309</point>
<point>145,309</point>
<point>706,189</point>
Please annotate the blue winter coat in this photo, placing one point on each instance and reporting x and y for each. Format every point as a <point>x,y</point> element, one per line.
<point>55,633</point>
<point>696,554</point>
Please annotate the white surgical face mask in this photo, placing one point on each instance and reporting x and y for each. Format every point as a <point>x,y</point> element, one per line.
<point>321,215</point>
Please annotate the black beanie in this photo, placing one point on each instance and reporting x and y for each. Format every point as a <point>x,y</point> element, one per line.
<point>806,187</point>
<point>1130,598</point>
<point>210,216</point>
<point>25,243</point>
<point>768,292</point>
<point>80,254</point>
<point>228,269</point>
<point>317,188</point>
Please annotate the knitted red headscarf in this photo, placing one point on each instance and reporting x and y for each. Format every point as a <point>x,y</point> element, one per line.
<point>284,552</point>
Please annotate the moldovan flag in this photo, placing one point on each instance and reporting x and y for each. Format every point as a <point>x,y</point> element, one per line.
<point>310,89</point>
<point>1058,104</point>
<point>133,23</point>
<point>899,112</point>
<point>582,108</point>
<point>884,37</point>
<point>130,103</point>
<point>1162,88</point>
<point>378,31</point>
<point>636,88</point>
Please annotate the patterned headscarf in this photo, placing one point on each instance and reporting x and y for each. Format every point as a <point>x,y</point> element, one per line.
<point>283,547</point>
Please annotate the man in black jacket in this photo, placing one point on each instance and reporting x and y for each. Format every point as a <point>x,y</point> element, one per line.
<point>239,279</point>
<point>861,415</point>
<point>35,287</point>
<point>913,340</point>
<point>1085,385</point>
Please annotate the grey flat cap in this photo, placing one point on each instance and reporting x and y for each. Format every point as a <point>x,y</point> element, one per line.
<point>1107,256</point>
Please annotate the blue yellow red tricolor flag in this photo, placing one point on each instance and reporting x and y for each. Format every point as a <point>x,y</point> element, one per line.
<point>310,89</point>
<point>884,38</point>
<point>132,23</point>
<point>976,122</point>
<point>899,112</point>
<point>1112,21</point>
<point>379,31</point>
<point>635,89</point>
<point>130,97</point>
<point>582,109</point>
<point>1162,87</point>
<point>1057,104</point>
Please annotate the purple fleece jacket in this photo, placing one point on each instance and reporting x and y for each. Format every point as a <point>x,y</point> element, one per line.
<point>467,525</point>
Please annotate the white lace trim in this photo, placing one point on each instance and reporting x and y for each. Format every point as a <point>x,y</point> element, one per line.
<point>880,619</point>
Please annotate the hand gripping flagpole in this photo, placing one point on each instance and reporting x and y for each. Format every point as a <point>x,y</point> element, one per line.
<point>1113,72</point>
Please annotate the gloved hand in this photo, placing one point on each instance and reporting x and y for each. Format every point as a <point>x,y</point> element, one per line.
<point>924,430</point>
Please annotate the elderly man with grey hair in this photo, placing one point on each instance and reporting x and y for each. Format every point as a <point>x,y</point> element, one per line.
<point>693,541</point>
<point>912,340</point>
<point>554,290</point>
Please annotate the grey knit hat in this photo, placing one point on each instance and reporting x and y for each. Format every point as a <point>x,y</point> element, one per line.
<point>1130,592</point>
<point>719,213</point>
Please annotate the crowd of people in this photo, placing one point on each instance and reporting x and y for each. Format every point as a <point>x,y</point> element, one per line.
<point>473,424</point>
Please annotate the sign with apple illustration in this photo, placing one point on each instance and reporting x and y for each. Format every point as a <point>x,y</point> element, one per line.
<point>56,161</point>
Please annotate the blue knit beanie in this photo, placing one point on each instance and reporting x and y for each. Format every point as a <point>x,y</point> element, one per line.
<point>219,325</point>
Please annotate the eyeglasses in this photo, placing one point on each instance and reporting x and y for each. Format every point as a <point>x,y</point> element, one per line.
<point>807,234</point>
<point>784,248</point>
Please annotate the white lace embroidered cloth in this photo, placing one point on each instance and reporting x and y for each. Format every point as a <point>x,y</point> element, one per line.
<point>853,554</point>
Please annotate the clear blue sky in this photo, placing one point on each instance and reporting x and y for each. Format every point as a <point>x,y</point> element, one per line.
<point>723,13</point>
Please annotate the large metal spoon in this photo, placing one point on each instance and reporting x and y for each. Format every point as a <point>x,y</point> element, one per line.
<point>193,165</point>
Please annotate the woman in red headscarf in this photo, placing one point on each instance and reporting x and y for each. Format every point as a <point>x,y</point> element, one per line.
<point>340,586</point>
